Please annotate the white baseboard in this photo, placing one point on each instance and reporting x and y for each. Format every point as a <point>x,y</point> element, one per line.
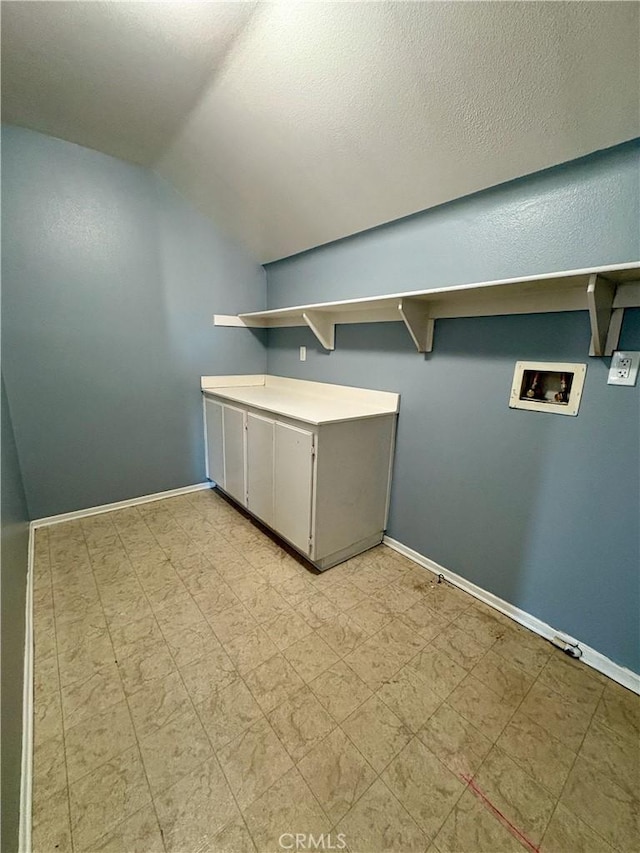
<point>96,510</point>
<point>591,657</point>
<point>26,778</point>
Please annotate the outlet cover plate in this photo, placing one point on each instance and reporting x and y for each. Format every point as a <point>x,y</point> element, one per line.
<point>624,368</point>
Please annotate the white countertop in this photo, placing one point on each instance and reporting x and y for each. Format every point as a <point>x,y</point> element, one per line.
<point>310,402</point>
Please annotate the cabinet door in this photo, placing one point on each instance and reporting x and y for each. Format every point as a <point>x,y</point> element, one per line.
<point>293,481</point>
<point>215,446</point>
<point>260,442</point>
<point>234,467</point>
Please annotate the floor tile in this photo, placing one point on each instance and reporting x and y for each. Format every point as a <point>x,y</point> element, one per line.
<point>174,750</point>
<point>214,599</point>
<point>524,649</point>
<point>485,709</point>
<point>253,762</point>
<point>250,650</point>
<point>440,672</point>
<point>45,675</point>
<point>380,657</point>
<point>172,593</point>
<point>157,703</point>
<point>398,597</point>
<point>471,827</point>
<point>179,615</point>
<point>377,732</point>
<point>371,615</point>
<point>571,680</point>
<point>228,712</point>
<point>342,633</point>
<point>248,585</point>
<point>288,806</point>
<point>524,803</point>
<point>456,742</point>
<point>510,682</point>
<point>47,716</point>
<point>377,823</point>
<point>206,676</point>
<point>273,682</point>
<point>567,833</point>
<point>421,618</point>
<point>301,722</point>
<point>539,754</point>
<point>197,807</point>
<point>616,756</point>
<point>125,604</point>
<point>286,629</point>
<point>340,690</point>
<point>79,658</point>
<point>460,646</point>
<point>295,589</point>
<point>266,605</point>
<point>144,662</point>
<point>409,696</point>
<point>232,623</point>
<point>310,657</point>
<point>424,786</point>
<point>565,720</point>
<point>139,833</point>
<point>102,799</point>
<point>193,643</point>
<point>344,595</point>
<point>337,773</point>
<point>316,609</point>
<point>91,743</point>
<point>619,710</point>
<point>51,829</point>
<point>482,627</point>
<point>234,838</point>
<point>90,695</point>
<point>447,601</point>
<point>415,578</point>
<point>144,629</point>
<point>603,805</point>
<point>49,768</point>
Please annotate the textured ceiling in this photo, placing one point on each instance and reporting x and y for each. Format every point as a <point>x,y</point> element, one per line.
<point>293,124</point>
<point>120,77</point>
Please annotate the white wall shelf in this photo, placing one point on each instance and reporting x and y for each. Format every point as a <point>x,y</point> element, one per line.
<point>602,291</point>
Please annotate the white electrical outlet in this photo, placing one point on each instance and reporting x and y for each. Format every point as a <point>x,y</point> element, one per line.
<point>303,353</point>
<point>624,368</point>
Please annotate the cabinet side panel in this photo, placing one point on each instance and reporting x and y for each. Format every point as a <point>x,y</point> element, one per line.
<point>352,481</point>
<point>215,449</point>
<point>293,483</point>
<point>260,439</point>
<point>234,481</point>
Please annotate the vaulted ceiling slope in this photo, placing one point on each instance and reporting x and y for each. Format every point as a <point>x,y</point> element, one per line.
<point>293,124</point>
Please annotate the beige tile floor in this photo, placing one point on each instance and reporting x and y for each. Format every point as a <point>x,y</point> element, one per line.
<point>198,689</point>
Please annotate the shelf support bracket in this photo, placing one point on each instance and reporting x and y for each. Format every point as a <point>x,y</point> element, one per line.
<point>322,327</point>
<point>415,315</point>
<point>600,296</point>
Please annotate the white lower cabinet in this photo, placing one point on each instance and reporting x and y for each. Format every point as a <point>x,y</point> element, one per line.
<point>261,432</point>
<point>234,452</point>
<point>293,481</point>
<point>323,486</point>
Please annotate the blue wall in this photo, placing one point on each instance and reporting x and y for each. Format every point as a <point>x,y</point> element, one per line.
<point>110,282</point>
<point>541,510</point>
<point>15,540</point>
